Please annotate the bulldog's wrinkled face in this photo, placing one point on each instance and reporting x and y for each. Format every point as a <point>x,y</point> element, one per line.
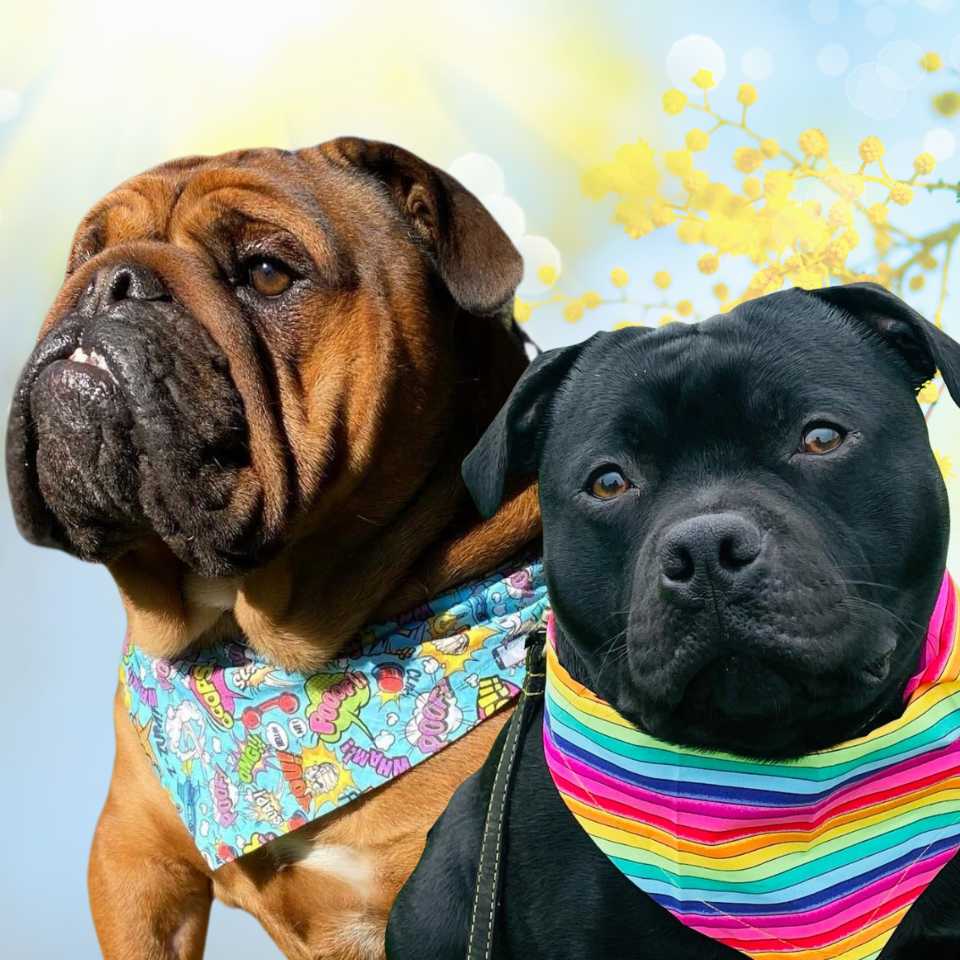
<point>744,526</point>
<point>237,334</point>
<point>129,421</point>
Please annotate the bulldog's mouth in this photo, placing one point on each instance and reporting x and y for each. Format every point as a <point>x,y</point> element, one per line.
<point>91,359</point>
<point>125,425</point>
<point>79,387</point>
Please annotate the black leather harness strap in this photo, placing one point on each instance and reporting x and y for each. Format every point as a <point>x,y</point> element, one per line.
<point>487,895</point>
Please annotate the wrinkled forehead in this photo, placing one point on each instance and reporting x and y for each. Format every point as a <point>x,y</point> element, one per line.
<point>762,365</point>
<point>298,191</point>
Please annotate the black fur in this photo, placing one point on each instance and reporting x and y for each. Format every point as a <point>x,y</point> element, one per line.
<point>804,636</point>
<point>152,443</point>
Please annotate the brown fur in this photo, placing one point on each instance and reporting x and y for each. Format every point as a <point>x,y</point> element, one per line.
<point>360,406</point>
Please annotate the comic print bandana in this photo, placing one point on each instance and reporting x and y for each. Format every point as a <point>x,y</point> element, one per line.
<point>248,751</point>
<point>814,859</point>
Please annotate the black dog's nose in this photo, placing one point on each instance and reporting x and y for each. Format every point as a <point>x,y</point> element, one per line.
<point>715,548</point>
<point>122,281</point>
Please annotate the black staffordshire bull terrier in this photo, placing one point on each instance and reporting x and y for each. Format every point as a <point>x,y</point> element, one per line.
<point>745,535</point>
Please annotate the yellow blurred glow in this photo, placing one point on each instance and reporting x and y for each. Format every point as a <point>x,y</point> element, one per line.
<point>113,87</point>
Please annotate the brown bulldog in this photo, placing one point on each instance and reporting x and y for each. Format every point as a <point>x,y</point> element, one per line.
<point>250,400</point>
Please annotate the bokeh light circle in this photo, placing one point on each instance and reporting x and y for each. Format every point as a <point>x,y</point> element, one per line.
<point>953,54</point>
<point>757,64</point>
<point>507,212</point>
<point>824,11</point>
<point>9,104</point>
<point>833,59</point>
<point>479,173</point>
<point>537,252</point>
<point>874,91</point>
<point>902,59</point>
<point>881,21</point>
<point>692,53</point>
<point>941,143</point>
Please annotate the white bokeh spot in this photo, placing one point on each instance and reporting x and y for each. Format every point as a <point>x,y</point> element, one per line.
<point>874,90</point>
<point>824,11</point>
<point>941,143</point>
<point>507,212</point>
<point>881,21</point>
<point>692,53</point>
<point>9,105</point>
<point>537,252</point>
<point>899,156</point>
<point>484,177</point>
<point>479,173</point>
<point>953,54</point>
<point>902,59</point>
<point>757,64</point>
<point>833,59</point>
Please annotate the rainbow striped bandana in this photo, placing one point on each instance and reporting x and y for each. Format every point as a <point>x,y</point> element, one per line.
<point>248,752</point>
<point>812,859</point>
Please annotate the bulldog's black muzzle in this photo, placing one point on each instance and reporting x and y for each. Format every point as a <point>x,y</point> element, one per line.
<point>125,422</point>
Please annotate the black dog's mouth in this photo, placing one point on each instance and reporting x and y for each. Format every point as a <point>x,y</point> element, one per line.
<point>125,425</point>
<point>770,709</point>
<point>789,661</point>
<point>737,689</point>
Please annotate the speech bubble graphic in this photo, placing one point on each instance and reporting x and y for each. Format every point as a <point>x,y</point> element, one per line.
<point>336,700</point>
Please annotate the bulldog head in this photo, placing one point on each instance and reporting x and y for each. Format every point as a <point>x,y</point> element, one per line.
<point>253,387</point>
<point>745,528</point>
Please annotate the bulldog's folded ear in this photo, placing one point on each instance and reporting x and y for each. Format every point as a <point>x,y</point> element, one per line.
<point>924,346</point>
<point>512,442</point>
<point>473,256</point>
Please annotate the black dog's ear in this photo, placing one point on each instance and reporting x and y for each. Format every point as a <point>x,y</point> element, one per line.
<point>924,346</point>
<point>511,444</point>
<point>473,256</point>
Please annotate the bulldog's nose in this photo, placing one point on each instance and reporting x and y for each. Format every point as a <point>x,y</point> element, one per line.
<point>119,282</point>
<point>713,550</point>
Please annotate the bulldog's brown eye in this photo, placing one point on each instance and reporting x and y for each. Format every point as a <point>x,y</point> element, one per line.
<point>269,277</point>
<point>821,438</point>
<point>609,483</point>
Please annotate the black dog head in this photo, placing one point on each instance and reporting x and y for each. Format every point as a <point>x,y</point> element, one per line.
<point>744,526</point>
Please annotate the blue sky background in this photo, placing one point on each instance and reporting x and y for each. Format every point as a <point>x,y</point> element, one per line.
<point>92,93</point>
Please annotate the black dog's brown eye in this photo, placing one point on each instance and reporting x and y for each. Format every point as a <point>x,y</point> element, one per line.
<point>608,484</point>
<point>268,277</point>
<point>821,438</point>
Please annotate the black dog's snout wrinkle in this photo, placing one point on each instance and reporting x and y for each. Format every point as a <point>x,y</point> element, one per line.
<point>120,282</point>
<point>711,550</point>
